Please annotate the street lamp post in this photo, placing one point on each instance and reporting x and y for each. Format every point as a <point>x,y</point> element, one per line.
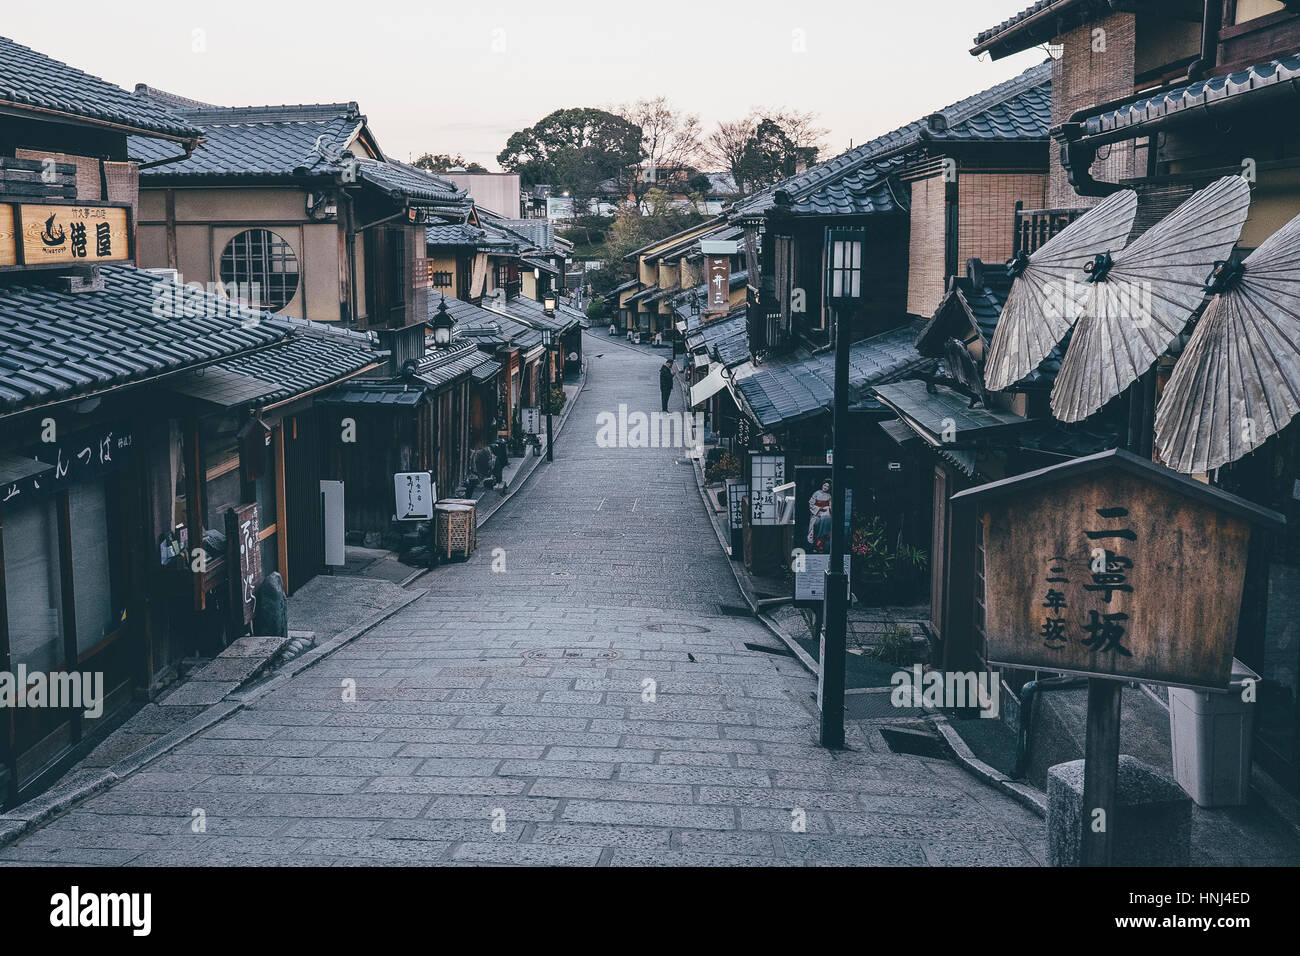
<point>843,293</point>
<point>548,340</point>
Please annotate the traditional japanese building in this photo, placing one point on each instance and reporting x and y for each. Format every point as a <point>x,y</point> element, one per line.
<point>137,416</point>
<point>1184,94</point>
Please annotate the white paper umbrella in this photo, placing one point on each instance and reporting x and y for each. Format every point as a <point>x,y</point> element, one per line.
<point>1139,301</point>
<point>1047,296</point>
<point>1238,380</point>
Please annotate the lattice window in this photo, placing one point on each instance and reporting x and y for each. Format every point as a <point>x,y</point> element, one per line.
<point>262,269</point>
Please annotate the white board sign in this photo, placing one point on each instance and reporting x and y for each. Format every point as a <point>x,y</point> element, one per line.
<point>810,583</point>
<point>331,499</point>
<point>765,473</point>
<point>415,494</point>
<point>531,420</point>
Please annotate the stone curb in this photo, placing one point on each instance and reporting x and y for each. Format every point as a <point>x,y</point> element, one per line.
<point>1022,793</point>
<point>40,810</point>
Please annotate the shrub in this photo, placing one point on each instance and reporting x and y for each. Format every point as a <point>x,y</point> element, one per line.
<point>726,466</point>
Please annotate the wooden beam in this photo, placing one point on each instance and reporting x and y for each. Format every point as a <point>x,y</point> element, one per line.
<point>281,508</point>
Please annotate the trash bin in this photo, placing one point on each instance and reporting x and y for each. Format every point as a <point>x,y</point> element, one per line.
<point>1211,736</point>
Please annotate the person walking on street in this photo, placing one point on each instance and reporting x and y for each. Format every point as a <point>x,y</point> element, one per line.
<point>666,382</point>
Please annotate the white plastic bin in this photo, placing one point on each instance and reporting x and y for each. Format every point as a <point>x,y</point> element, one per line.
<point>1211,736</point>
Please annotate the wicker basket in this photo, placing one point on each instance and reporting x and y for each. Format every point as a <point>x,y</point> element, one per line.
<point>455,529</point>
<point>473,518</point>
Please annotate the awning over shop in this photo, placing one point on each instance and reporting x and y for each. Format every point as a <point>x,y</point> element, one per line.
<point>15,468</point>
<point>898,431</point>
<point>943,417</point>
<point>219,387</point>
<point>709,386</point>
<point>370,396</point>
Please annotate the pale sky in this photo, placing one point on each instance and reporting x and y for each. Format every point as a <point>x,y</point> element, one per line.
<point>462,78</point>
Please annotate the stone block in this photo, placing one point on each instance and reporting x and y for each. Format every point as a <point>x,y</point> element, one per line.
<point>1153,816</point>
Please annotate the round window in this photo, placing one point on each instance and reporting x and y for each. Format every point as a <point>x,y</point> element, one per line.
<point>258,267</point>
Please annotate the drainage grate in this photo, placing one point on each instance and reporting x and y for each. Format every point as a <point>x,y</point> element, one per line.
<point>597,534</point>
<point>778,651</point>
<point>671,627</point>
<point>875,706</point>
<point>561,574</point>
<point>913,742</point>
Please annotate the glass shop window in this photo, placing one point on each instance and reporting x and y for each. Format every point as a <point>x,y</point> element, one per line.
<point>32,588</point>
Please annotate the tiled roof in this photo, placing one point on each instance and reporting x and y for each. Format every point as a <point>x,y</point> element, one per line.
<point>442,367</point>
<point>863,191</point>
<point>464,234</point>
<point>726,338</point>
<point>982,116</point>
<point>32,80</point>
<point>983,38</point>
<point>487,325</point>
<point>401,180</point>
<point>780,393</point>
<point>372,393</point>
<point>533,313</point>
<point>287,141</point>
<point>56,345</point>
<point>259,141</point>
<point>313,357</point>
<point>1284,70</point>
<point>935,411</point>
<point>682,304</point>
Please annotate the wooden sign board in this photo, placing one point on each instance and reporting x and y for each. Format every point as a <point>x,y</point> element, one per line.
<point>246,526</point>
<point>1111,566</point>
<point>52,235</point>
<point>718,276</point>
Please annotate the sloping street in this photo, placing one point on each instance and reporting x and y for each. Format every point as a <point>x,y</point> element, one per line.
<point>581,691</point>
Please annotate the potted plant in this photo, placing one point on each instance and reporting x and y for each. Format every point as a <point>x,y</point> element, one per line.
<point>872,561</point>
<point>724,466</point>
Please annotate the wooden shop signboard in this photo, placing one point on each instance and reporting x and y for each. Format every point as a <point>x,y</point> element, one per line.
<point>1111,566</point>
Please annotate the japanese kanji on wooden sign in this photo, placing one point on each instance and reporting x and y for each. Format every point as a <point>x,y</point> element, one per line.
<point>1112,566</point>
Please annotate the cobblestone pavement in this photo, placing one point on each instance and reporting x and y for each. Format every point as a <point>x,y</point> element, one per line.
<point>590,701</point>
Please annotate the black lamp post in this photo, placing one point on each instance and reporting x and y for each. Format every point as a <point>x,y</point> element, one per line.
<point>844,249</point>
<point>548,340</point>
<point>442,325</point>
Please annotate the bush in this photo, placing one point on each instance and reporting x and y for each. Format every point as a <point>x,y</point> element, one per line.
<point>726,466</point>
<point>556,400</point>
<point>596,310</point>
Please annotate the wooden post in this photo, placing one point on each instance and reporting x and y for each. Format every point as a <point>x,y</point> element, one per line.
<point>1100,772</point>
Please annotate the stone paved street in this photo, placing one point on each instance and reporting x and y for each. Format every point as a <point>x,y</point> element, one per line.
<point>591,701</point>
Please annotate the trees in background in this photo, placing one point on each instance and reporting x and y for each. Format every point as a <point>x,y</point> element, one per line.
<point>670,140</point>
<point>764,146</point>
<point>444,163</point>
<point>575,150</point>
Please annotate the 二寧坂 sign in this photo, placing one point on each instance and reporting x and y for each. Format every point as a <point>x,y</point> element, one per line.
<point>1112,566</point>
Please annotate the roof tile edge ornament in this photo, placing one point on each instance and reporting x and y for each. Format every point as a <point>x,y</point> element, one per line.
<point>1046,297</point>
<point>1238,381</point>
<point>1149,293</point>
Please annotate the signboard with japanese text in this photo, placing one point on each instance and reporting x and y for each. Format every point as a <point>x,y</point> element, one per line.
<point>530,420</point>
<point>247,526</point>
<point>765,473</point>
<point>736,490</point>
<point>83,456</point>
<point>1113,567</point>
<point>60,234</point>
<point>414,494</point>
<point>718,276</point>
